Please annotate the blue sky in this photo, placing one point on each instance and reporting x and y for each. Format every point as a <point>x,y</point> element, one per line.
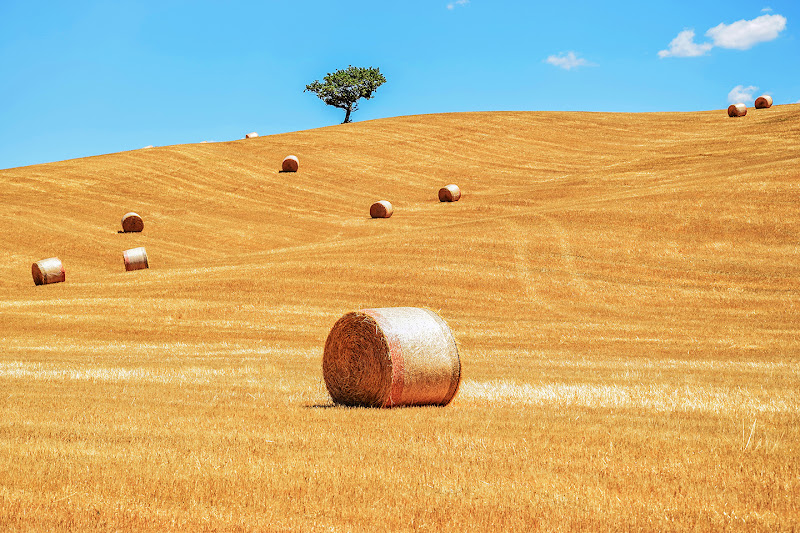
<point>84,78</point>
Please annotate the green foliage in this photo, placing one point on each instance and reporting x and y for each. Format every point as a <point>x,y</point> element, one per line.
<point>343,88</point>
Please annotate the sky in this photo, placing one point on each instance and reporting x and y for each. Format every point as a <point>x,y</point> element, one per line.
<point>84,78</point>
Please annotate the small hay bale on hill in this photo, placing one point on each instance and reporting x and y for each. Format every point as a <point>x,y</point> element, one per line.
<point>251,135</point>
<point>290,163</point>
<point>381,209</point>
<point>132,223</point>
<point>449,193</point>
<point>135,259</point>
<point>391,357</point>
<point>48,271</point>
<point>737,110</point>
<point>764,101</point>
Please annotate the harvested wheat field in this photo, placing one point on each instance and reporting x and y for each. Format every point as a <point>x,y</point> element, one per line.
<point>624,291</point>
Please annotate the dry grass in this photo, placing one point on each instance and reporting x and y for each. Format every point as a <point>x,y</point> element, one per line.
<point>624,292</point>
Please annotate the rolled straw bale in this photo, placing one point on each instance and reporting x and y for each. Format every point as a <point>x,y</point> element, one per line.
<point>131,222</point>
<point>381,209</point>
<point>764,101</point>
<point>290,164</point>
<point>135,259</point>
<point>737,110</point>
<point>48,271</point>
<point>449,193</point>
<point>251,135</point>
<point>391,357</point>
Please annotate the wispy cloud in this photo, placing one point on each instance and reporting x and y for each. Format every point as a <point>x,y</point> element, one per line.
<point>453,5</point>
<point>684,46</point>
<point>568,61</point>
<point>767,10</point>
<point>739,35</point>
<point>740,93</point>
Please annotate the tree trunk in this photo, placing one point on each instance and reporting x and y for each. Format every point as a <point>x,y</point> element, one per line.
<point>347,116</point>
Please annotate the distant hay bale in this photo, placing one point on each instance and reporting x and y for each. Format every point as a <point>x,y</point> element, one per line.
<point>391,357</point>
<point>449,193</point>
<point>381,209</point>
<point>251,135</point>
<point>48,271</point>
<point>737,110</point>
<point>763,101</point>
<point>146,147</point>
<point>135,259</point>
<point>132,223</point>
<point>290,163</point>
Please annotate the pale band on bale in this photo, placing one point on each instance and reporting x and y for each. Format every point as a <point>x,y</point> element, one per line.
<point>290,164</point>
<point>764,101</point>
<point>381,209</point>
<point>135,259</point>
<point>449,193</point>
<point>389,357</point>
<point>251,135</point>
<point>132,222</point>
<point>737,110</point>
<point>48,271</point>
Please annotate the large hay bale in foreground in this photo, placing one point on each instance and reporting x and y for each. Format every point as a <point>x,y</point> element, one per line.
<point>135,259</point>
<point>764,101</point>
<point>737,110</point>
<point>131,222</point>
<point>449,193</point>
<point>391,357</point>
<point>290,163</point>
<point>381,209</point>
<point>48,271</point>
<point>251,135</point>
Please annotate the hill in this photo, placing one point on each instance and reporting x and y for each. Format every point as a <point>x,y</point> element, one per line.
<point>623,289</point>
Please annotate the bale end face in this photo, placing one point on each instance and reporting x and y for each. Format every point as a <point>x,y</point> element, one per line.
<point>763,102</point>
<point>135,259</point>
<point>381,209</point>
<point>449,193</point>
<point>48,271</point>
<point>737,110</point>
<point>389,357</point>
<point>290,164</point>
<point>132,223</point>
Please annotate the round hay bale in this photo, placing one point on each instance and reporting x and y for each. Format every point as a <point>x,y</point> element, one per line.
<point>48,271</point>
<point>449,193</point>
<point>251,135</point>
<point>391,357</point>
<point>737,110</point>
<point>132,223</point>
<point>290,164</point>
<point>381,209</point>
<point>764,101</point>
<point>135,259</point>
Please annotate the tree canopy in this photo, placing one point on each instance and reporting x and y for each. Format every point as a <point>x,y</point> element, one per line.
<point>343,88</point>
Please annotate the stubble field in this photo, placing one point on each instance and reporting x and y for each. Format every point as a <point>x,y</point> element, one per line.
<point>624,290</point>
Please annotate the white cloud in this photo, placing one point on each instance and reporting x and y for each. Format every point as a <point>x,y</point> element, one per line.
<point>767,10</point>
<point>684,46</point>
<point>452,5</point>
<point>568,61</point>
<point>740,93</point>
<point>744,34</point>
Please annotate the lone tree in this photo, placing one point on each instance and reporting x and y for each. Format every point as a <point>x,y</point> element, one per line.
<point>345,87</point>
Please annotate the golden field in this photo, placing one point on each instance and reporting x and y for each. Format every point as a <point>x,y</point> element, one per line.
<point>624,290</point>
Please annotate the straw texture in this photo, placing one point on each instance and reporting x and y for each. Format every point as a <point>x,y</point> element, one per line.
<point>381,209</point>
<point>449,193</point>
<point>764,101</point>
<point>132,222</point>
<point>251,135</point>
<point>737,110</point>
<point>48,271</point>
<point>389,357</point>
<point>290,164</point>
<point>135,259</point>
